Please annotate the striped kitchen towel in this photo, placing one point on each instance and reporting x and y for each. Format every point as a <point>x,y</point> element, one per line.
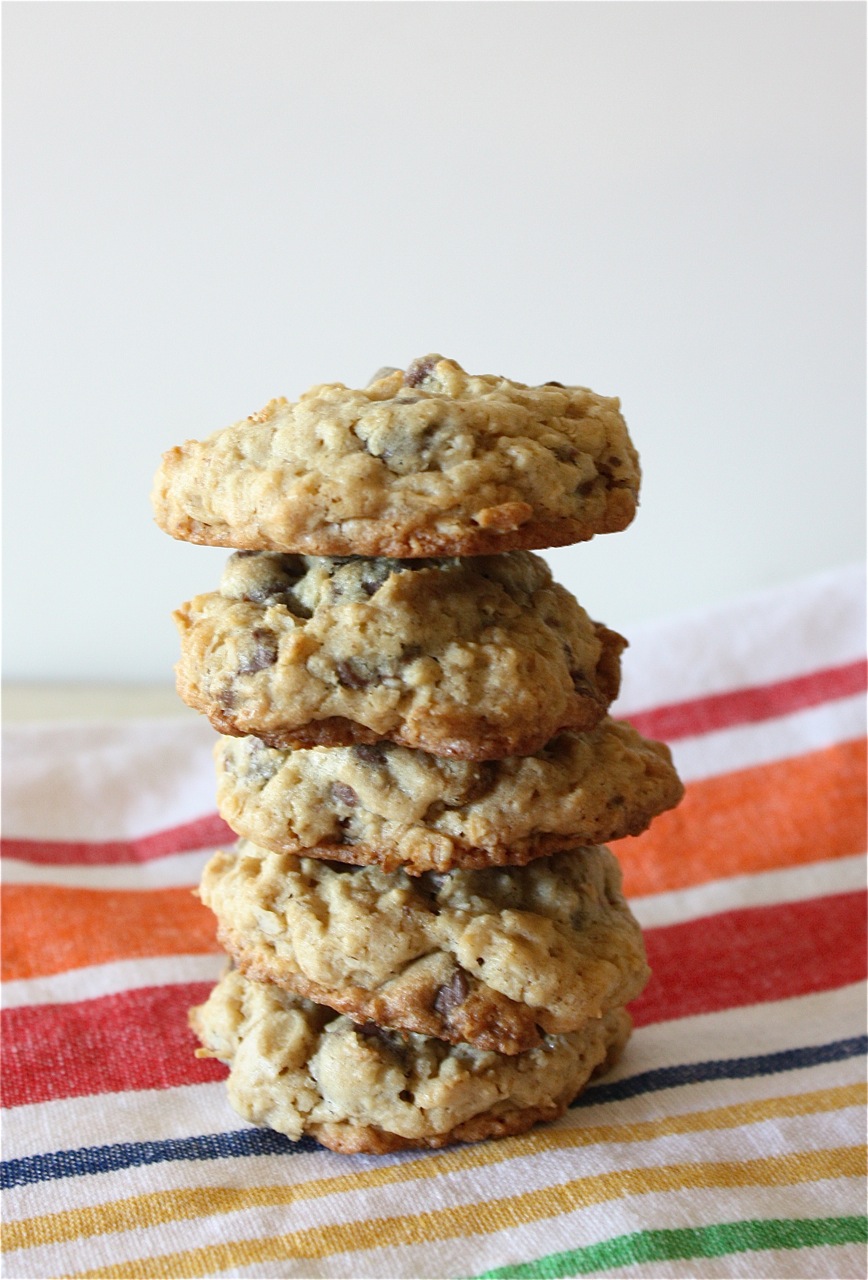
<point>730,1139</point>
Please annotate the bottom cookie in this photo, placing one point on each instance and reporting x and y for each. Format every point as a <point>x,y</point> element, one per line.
<point>297,1067</point>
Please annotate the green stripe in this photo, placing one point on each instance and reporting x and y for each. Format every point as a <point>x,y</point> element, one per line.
<point>689,1242</point>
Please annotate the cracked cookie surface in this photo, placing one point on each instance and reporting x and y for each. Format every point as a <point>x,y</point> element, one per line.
<point>498,958</point>
<point>300,1068</point>
<point>476,658</point>
<point>399,808</point>
<point>431,461</point>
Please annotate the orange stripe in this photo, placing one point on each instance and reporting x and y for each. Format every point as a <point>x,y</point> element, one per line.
<point>48,929</point>
<point>807,809</point>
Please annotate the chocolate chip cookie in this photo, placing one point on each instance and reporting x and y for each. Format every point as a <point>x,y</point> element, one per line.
<point>406,809</point>
<point>297,1067</point>
<point>427,462</point>
<point>498,959</point>
<point>475,658</point>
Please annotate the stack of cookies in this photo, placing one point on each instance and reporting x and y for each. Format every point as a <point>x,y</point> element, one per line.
<point>428,937</point>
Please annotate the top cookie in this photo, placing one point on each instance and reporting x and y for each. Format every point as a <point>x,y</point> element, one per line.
<point>426,462</point>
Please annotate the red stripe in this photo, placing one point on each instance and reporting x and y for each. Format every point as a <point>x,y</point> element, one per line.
<point>747,706</point>
<point>753,956</point>
<point>130,1041</point>
<point>201,833</point>
<point>139,1039</point>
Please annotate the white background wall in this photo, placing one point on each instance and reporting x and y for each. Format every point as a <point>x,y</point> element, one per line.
<point>209,204</point>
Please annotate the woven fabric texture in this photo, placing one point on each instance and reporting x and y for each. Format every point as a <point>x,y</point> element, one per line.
<point>730,1139</point>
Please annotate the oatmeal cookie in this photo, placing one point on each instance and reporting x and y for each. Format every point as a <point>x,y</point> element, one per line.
<point>476,658</point>
<point>299,1068</point>
<point>498,959</point>
<point>389,805</point>
<point>428,462</point>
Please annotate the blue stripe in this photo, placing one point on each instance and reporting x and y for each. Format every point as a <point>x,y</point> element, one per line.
<point>126,1155</point>
<point>258,1142</point>
<point>765,1064</point>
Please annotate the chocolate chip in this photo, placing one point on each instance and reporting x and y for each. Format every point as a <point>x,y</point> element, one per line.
<point>392,1041</point>
<point>266,592</point>
<point>371,1031</point>
<point>585,488</point>
<point>352,674</point>
<point>264,654</point>
<point>482,779</point>
<point>449,997</point>
<point>565,453</point>
<point>374,576</point>
<point>343,792</point>
<point>552,383</point>
<point>269,577</point>
<point>370,752</point>
<point>418,371</point>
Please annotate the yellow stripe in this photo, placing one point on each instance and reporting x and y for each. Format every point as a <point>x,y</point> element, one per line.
<point>496,1215</point>
<point>158,1207</point>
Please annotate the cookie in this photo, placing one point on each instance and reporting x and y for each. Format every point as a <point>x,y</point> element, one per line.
<point>389,805</point>
<point>297,1067</point>
<point>498,959</point>
<point>476,658</point>
<point>429,462</point>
